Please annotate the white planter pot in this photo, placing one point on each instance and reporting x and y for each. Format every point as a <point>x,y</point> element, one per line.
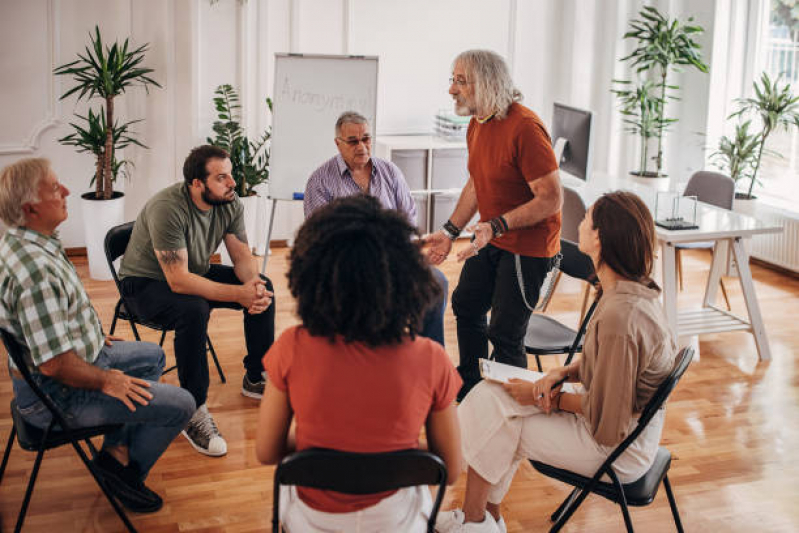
<point>250,204</point>
<point>745,206</point>
<point>99,216</point>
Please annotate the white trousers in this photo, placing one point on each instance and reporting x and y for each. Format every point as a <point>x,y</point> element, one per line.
<point>406,510</point>
<point>498,433</point>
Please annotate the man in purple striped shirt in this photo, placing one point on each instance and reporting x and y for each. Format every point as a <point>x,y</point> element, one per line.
<point>355,171</point>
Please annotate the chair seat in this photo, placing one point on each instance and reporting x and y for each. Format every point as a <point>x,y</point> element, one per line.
<point>547,336</point>
<point>124,315</point>
<point>695,245</point>
<point>30,436</point>
<point>638,493</point>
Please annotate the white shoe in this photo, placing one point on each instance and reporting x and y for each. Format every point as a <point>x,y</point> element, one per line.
<point>453,522</point>
<point>203,435</point>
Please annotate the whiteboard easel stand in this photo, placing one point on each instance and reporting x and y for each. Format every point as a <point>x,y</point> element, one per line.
<point>269,235</point>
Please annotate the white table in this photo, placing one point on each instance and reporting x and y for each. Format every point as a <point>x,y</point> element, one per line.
<point>726,229</point>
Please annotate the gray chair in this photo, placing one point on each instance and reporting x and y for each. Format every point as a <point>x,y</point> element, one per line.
<point>572,214</point>
<point>714,189</point>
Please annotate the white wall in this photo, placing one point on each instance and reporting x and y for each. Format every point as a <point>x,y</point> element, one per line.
<point>564,51</point>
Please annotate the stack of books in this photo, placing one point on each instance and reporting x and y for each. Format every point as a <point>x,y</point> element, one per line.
<point>450,126</point>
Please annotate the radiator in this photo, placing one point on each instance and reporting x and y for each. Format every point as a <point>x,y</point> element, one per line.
<point>781,249</point>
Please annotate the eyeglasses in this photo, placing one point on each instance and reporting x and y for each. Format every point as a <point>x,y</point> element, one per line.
<point>460,82</point>
<point>366,139</point>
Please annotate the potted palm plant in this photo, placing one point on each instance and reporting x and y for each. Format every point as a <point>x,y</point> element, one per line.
<point>642,112</point>
<point>662,46</point>
<point>775,107</point>
<point>250,159</point>
<point>737,155</point>
<point>105,72</point>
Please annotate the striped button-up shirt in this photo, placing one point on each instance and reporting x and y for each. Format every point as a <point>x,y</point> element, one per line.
<point>42,300</point>
<point>334,180</point>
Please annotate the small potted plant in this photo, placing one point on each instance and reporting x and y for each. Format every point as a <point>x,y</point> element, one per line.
<point>250,159</point>
<point>106,72</point>
<point>774,106</point>
<point>737,155</point>
<point>662,46</point>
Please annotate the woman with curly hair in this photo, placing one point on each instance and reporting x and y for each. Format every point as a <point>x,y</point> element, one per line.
<point>355,374</point>
<point>628,351</point>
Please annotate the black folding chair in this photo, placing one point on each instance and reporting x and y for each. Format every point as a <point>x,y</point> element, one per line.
<point>638,493</point>
<point>547,336</point>
<point>116,242</point>
<point>360,473</point>
<point>58,433</point>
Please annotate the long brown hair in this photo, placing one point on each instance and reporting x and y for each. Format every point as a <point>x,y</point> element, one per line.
<point>626,236</point>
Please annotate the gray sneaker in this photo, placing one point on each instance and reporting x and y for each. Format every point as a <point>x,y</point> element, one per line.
<point>252,389</point>
<point>203,435</point>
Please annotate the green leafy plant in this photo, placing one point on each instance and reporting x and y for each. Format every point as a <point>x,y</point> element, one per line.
<point>737,155</point>
<point>641,108</point>
<point>250,159</point>
<point>91,137</point>
<point>775,107</point>
<point>107,72</point>
<point>662,46</point>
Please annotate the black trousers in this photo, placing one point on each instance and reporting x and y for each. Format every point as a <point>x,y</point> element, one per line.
<point>489,281</point>
<point>188,315</point>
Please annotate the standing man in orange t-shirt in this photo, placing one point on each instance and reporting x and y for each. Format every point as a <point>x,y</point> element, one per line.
<point>514,184</point>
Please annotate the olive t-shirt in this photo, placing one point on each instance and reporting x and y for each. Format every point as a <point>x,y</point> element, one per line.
<point>171,221</point>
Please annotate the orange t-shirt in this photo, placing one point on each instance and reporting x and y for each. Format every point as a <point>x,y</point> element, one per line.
<point>354,398</point>
<point>504,156</point>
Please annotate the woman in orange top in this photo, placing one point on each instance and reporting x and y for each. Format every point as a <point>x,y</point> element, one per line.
<point>355,374</point>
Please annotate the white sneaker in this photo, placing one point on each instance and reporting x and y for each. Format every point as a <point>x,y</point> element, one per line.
<point>203,435</point>
<point>452,522</point>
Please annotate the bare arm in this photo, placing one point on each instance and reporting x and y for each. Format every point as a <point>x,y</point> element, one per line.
<point>175,265</point>
<point>444,440</point>
<point>243,261</point>
<point>71,370</point>
<point>274,419</point>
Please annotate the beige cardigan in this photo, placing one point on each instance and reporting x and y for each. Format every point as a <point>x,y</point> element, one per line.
<point>629,350</point>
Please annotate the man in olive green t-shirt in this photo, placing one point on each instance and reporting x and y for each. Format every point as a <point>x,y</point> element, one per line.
<point>167,278</point>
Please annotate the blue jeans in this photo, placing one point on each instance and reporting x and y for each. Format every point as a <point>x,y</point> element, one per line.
<point>146,432</point>
<point>433,322</point>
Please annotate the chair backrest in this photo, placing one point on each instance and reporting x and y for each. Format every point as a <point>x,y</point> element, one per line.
<point>711,188</point>
<point>116,242</point>
<point>360,473</point>
<point>17,353</point>
<point>572,214</point>
<point>655,403</point>
<point>575,263</point>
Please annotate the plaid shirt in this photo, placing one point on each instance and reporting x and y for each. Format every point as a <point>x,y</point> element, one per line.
<point>42,300</point>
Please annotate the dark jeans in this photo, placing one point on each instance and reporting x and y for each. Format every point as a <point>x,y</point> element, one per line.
<point>188,315</point>
<point>489,282</point>
<point>433,323</point>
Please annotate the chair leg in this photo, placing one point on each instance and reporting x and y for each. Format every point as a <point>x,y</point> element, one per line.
<point>568,511</point>
<point>114,320</point>
<point>724,293</point>
<point>586,294</point>
<point>101,483</point>
<point>679,266</point>
<point>552,292</point>
<point>8,451</point>
<point>163,336</point>
<point>673,504</point>
<point>216,361</point>
<point>570,498</point>
<point>29,491</point>
<point>625,511</point>
<point>538,363</point>
<point>135,331</point>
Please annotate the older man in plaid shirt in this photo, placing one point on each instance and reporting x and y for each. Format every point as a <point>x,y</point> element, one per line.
<point>95,380</point>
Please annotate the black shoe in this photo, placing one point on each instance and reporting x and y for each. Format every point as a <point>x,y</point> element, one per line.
<point>125,484</point>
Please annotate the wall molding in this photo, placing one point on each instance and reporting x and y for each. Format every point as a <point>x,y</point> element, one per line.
<point>51,119</point>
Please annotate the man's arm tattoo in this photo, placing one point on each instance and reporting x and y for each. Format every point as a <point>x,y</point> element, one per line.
<point>169,257</point>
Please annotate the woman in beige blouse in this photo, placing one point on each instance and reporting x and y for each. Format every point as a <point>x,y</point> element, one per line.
<point>628,351</point>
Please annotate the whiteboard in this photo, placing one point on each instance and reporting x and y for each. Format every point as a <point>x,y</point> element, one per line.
<point>311,92</point>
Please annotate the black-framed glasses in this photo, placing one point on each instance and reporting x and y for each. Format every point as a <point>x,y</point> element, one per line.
<point>460,82</point>
<point>366,139</point>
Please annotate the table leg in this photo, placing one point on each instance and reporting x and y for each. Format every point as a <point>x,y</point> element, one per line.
<point>669,284</point>
<point>752,307</point>
<point>717,266</point>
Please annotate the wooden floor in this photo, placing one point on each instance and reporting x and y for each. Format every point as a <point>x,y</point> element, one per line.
<point>732,426</point>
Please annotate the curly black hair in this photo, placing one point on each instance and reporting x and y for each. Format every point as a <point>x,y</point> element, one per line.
<point>356,273</point>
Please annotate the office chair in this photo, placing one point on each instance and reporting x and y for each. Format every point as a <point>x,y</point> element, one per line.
<point>714,189</point>
<point>116,241</point>
<point>360,473</point>
<point>547,336</point>
<point>638,493</point>
<point>58,433</point>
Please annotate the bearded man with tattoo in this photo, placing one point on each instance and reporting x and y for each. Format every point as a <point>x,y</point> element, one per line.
<point>168,279</point>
